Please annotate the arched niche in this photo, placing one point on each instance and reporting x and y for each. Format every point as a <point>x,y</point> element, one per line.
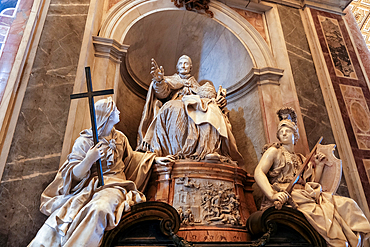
<point>235,56</point>
<point>166,35</point>
<point>125,14</point>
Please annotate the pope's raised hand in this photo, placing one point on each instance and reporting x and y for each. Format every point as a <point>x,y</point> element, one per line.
<point>156,72</point>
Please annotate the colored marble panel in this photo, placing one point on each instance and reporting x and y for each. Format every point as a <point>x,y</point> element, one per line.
<point>311,101</point>
<point>338,50</point>
<point>353,95</point>
<point>255,19</point>
<point>358,112</point>
<point>367,167</point>
<point>359,40</point>
<point>112,3</point>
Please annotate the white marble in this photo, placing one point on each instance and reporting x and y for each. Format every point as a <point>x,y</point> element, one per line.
<point>277,176</point>
<point>186,120</point>
<point>206,41</point>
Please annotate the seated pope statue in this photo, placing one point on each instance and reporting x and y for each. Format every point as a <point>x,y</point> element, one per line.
<point>337,219</point>
<point>185,120</point>
<point>79,211</point>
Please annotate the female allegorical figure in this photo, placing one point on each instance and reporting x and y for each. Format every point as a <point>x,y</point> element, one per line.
<point>337,219</point>
<point>78,210</point>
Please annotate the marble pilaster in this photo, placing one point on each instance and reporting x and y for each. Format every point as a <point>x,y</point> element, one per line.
<point>35,150</point>
<point>311,101</point>
<point>331,76</point>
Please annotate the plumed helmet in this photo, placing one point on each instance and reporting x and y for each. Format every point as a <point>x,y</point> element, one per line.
<point>288,118</point>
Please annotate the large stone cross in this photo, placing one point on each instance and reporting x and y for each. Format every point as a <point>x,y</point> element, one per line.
<point>90,94</point>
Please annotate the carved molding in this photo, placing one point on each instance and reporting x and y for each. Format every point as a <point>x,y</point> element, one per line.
<point>263,76</point>
<point>147,211</point>
<point>139,88</point>
<point>251,5</point>
<point>256,77</point>
<point>15,89</point>
<point>328,5</point>
<point>267,222</point>
<point>109,48</point>
<point>125,14</point>
<point>333,6</point>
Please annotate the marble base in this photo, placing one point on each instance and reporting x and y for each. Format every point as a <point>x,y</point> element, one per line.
<point>214,200</point>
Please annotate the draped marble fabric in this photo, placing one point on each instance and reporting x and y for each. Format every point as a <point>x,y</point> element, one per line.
<point>79,211</point>
<point>176,121</point>
<point>337,219</point>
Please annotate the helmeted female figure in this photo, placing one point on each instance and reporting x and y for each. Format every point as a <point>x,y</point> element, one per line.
<point>337,219</point>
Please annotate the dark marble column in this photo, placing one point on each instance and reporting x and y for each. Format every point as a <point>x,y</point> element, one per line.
<point>311,101</point>
<point>35,151</point>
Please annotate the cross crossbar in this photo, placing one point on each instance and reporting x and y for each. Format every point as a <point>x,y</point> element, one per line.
<point>90,94</point>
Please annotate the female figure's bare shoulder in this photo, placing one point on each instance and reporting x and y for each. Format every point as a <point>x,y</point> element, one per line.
<point>272,150</point>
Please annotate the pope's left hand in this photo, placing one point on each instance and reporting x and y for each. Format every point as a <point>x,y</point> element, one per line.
<point>165,161</point>
<point>221,101</point>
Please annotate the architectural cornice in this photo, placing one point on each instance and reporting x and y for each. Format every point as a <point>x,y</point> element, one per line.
<point>109,48</point>
<point>256,77</point>
<point>334,6</point>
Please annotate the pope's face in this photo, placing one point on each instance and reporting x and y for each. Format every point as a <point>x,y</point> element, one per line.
<point>183,66</point>
<point>286,135</point>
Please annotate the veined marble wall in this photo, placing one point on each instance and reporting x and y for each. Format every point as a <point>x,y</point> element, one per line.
<point>35,152</point>
<point>36,146</point>
<point>256,19</point>
<point>350,87</point>
<point>313,108</point>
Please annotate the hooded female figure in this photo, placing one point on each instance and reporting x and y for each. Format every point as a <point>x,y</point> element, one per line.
<point>79,211</point>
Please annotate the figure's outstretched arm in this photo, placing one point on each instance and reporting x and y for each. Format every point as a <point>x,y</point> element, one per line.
<point>92,155</point>
<point>262,181</point>
<point>156,72</point>
<point>160,86</point>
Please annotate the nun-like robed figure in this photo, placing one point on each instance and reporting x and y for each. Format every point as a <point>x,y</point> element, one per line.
<point>79,211</point>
